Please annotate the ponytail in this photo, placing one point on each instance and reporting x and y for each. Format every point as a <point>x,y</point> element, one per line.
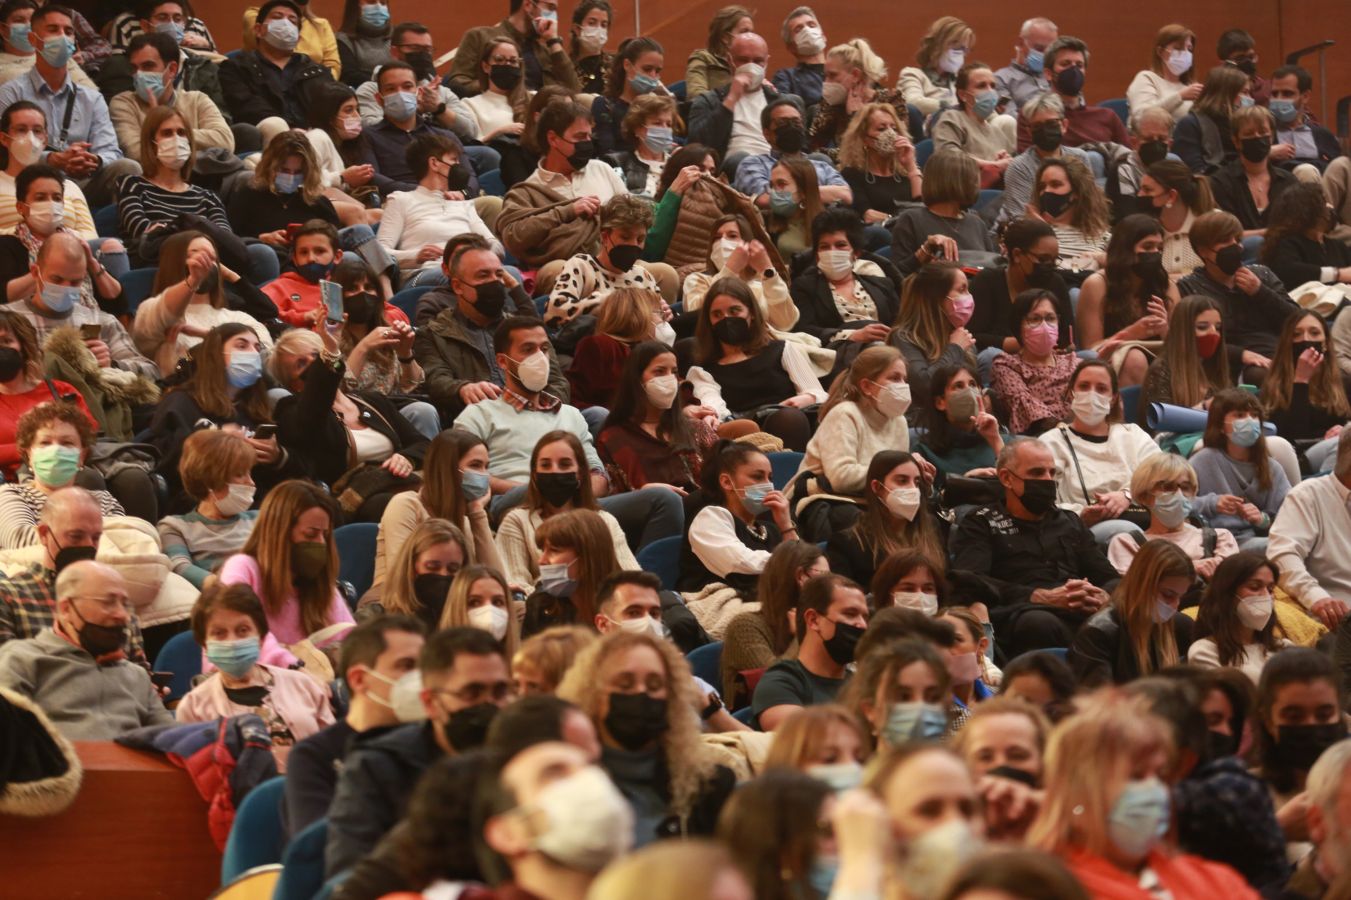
<point>724,456</point>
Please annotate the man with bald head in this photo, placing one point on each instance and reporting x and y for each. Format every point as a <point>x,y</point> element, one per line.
<point>68,532</point>
<point>57,302</point>
<point>76,670</point>
<point>728,118</point>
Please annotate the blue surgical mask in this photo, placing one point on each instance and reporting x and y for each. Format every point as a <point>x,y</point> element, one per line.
<point>782,203</point>
<point>644,84</point>
<point>753,497</point>
<point>659,138</point>
<point>840,776</point>
<point>244,369</point>
<point>821,875</point>
<point>60,299</point>
<point>1163,612</point>
<point>173,29</point>
<point>1172,508</point>
<point>57,51</point>
<point>148,84</point>
<point>18,37</point>
<point>984,103</point>
<point>1035,61</point>
<point>914,721</point>
<point>1245,432</point>
<point>375,15</point>
<point>1139,817</point>
<point>1285,111</point>
<point>554,579</point>
<point>401,106</point>
<point>473,484</point>
<point>234,658</point>
<point>1244,101</point>
<point>288,182</point>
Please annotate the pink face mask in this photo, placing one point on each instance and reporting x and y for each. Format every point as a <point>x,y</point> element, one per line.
<point>959,310</point>
<point>1040,339</point>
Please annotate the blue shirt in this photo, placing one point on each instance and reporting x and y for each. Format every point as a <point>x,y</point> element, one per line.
<point>89,119</point>
<point>752,176</point>
<point>803,79</point>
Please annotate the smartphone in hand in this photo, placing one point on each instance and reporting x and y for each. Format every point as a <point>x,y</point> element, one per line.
<point>331,292</point>
<point>265,432</point>
<point>90,331</point>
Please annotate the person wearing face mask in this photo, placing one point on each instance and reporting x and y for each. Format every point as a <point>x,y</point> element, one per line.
<point>1151,130</point>
<point>23,135</point>
<point>1065,62</point>
<point>1036,566</point>
<point>1250,185</point>
<point>637,691</point>
<point>411,43</point>
<point>533,25</point>
<point>628,317</point>
<point>903,688</point>
<point>315,249</point>
<point>416,224</point>
<point>1169,82</point>
<point>943,50</point>
<point>1033,382</point>
<point>1177,196</point>
<point>1202,138</point>
<point>896,517</point>
<point>828,604</point>
<point>845,300</point>
<point>1112,849</point>
<point>269,84</point>
<point>154,75</point>
<point>1240,481</point>
<point>648,129</point>
<point>1237,50</point>
<point>574,552</point>
<point>1032,250</point>
<point>733,118</point>
<point>314,37</point>
<point>418,575</point>
<point>1253,302</point>
<point>229,625</point>
<point>1237,617</point>
<point>1165,484</point>
<point>498,109</point>
<point>1045,114</point>
<point>1022,80</point>
<point>806,42</point>
<point>75,669</point>
<point>635,73</point>
<point>19,46</point>
<point>378,663</point>
<point>480,597</point>
<point>1304,393</point>
<point>782,122</point>
<point>974,127</point>
<point>591,22</point>
<point>974,676</point>
<point>1067,198</point>
<point>25,388</point>
<point>378,347</point>
<point>877,161</point>
<point>707,68</point>
<point>961,436</point>
<point>1299,140</point>
<point>364,40</point>
<point>777,827</point>
<point>464,683</point>
<point>586,280</point>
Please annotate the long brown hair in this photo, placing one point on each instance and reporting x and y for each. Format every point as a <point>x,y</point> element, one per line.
<point>400,595</point>
<point>707,348</point>
<point>876,529</point>
<point>1237,400</point>
<point>921,320</point>
<point>1218,616</point>
<point>1090,212</point>
<point>777,588</point>
<point>154,118</point>
<point>208,386</point>
<point>1325,387</point>
<point>584,532</point>
<point>173,265</point>
<point>586,497</point>
<point>1190,376</point>
<point>270,545</point>
<point>808,187</point>
<point>1136,596</point>
<point>440,492</point>
<point>26,335</point>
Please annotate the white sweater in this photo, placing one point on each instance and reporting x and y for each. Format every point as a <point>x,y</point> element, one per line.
<point>520,557</point>
<point>847,440</point>
<point>413,219</point>
<point>1106,466</point>
<point>1203,652</point>
<point>491,111</point>
<point>1310,541</point>
<point>1149,88</point>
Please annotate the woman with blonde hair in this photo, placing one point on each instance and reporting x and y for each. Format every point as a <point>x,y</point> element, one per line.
<point>1165,484</point>
<point>629,315</point>
<point>648,133</point>
<point>638,691</point>
<point>576,553</point>
<point>878,162</point>
<point>1107,807</point>
<point>291,562</point>
<point>706,69</point>
<point>825,741</point>
<point>930,330</point>
<point>498,108</point>
<point>543,659</point>
<point>942,52</point>
<point>1139,632</point>
<point>856,75</point>
<point>1069,200</point>
<point>420,575</point>
<point>479,598</point>
<point>1004,737</point>
<point>1170,80</point>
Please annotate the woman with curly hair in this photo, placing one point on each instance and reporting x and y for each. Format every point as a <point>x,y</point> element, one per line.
<point>1296,246</point>
<point>878,162</point>
<point>1070,201</point>
<point>639,693</point>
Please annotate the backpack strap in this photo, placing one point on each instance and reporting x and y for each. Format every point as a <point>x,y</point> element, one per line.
<point>1208,539</point>
<point>1065,435</point>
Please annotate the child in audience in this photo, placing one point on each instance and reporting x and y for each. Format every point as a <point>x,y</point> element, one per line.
<point>214,468</point>
<point>1240,486</point>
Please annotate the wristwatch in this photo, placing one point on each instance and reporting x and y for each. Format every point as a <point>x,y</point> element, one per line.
<point>436,113</point>
<point>711,710</point>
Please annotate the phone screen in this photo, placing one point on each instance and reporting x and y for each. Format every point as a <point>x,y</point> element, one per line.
<point>331,292</point>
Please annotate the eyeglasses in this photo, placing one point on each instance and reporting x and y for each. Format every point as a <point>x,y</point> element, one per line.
<point>478,692</point>
<point>1167,487</point>
<point>1047,319</point>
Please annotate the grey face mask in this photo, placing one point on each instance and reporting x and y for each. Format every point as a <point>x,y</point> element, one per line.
<point>963,405</point>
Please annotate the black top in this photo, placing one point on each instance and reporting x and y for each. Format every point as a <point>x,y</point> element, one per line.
<point>1297,260</point>
<point>253,211</point>
<point>608,114</point>
<point>312,774</point>
<point>760,380</point>
<point>991,320</point>
<point>914,226</point>
<point>1301,420</point>
<point>820,317</point>
<point>1102,652</point>
<point>880,192</point>
<point>1250,322</point>
<point>1230,186</point>
<point>694,575</point>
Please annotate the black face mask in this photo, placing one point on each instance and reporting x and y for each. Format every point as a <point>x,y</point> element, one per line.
<point>1255,149</point>
<point>505,77</point>
<point>1247,66</point>
<point>457,177</point>
<point>1054,205</point>
<point>1298,347</point>
<point>558,488</point>
<point>66,556</point>
<point>361,309</point>
<point>840,646</point>
<point>251,696</point>
<point>1299,746</point>
<point>1070,81</point>
<point>1017,775</point>
<point>1047,136</point>
<point>1038,495</point>
<point>582,153</point>
<point>468,728</point>
<point>1153,152</point>
<point>732,330</point>
<point>1219,744</point>
<point>624,256</point>
<point>790,138</point>
<point>11,363</point>
<point>636,720</point>
<point>1042,274</point>
<point>99,640</point>
<point>421,61</point>
<point>489,299</point>
<point>431,591</point>
<point>1229,259</point>
<point>1148,265</point>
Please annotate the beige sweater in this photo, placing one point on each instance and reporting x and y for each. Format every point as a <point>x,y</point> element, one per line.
<point>402,517</point>
<point>516,546</point>
<point>955,130</point>
<point>209,128</point>
<point>846,442</point>
<point>154,325</point>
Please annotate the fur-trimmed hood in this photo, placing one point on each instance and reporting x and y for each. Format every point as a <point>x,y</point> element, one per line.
<point>118,384</point>
<point>40,773</point>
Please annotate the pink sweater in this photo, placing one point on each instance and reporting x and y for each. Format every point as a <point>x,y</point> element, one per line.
<point>243,569</point>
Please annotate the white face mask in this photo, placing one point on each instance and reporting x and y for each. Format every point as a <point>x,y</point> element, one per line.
<point>592,39</point>
<point>351,126</point>
<point>1090,407</point>
<point>645,625</point>
<point>723,250</point>
<point>405,695</point>
<point>755,72</point>
<point>174,151</point>
<point>925,603</point>
<point>238,497</point>
<point>27,148</point>
<point>835,264</point>
<point>894,399</point>
<point>663,332</point>
<point>46,216</point>
<point>661,390</point>
<point>490,618</point>
<point>533,371</point>
<point>587,822</point>
<point>1254,611</point>
<point>903,503</point>
<point>810,41</point>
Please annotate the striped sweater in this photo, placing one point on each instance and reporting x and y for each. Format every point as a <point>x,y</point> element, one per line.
<point>142,204</point>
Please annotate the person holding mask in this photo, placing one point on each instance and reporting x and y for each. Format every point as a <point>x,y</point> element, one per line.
<point>636,72</point>
<point>1046,113</point>
<point>1248,186</point>
<point>943,51</point>
<point>1241,485</point>
<point>1203,137</point>
<point>805,40</point>
<point>379,354</point>
<point>1236,623</point>
<point>1169,81</point>
<point>25,388</point>
<point>877,161</point>
<point>944,227</point>
<point>961,436</point>
<point>733,118</point>
<point>214,468</point>
<point>841,303</point>
<point>857,76</point>
<point>586,280</point>
<point>1165,484</point>
<point>1034,381</point>
<point>974,127</point>
<point>155,63</point>
<point>229,624</point>
<point>1176,195</point>
<point>419,575</point>
<point>895,517</point>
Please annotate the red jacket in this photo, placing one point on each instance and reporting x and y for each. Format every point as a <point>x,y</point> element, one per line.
<point>1186,878</point>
